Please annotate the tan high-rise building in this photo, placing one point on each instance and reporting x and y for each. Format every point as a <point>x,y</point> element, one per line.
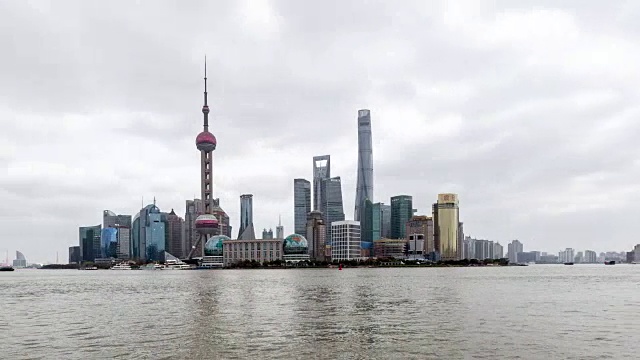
<point>446,225</point>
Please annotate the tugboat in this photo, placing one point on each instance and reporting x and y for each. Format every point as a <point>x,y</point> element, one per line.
<point>612,262</point>
<point>6,268</point>
<point>568,263</point>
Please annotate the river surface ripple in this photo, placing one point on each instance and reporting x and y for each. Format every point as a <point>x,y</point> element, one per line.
<point>535,312</point>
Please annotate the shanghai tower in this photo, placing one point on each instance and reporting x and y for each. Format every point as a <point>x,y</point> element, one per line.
<point>364,186</point>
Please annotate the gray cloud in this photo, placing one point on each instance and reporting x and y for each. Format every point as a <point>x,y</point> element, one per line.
<point>527,110</point>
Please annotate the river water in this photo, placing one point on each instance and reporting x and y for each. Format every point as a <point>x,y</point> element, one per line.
<point>534,312</point>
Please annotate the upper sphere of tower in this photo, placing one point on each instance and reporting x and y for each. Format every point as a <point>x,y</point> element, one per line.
<point>205,141</point>
<point>205,109</point>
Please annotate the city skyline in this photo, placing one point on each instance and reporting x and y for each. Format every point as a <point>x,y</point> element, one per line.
<point>515,122</point>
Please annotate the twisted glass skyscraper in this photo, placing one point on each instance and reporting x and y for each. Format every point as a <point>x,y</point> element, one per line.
<point>364,186</point>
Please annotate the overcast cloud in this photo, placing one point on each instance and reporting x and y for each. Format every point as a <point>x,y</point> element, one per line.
<point>528,110</point>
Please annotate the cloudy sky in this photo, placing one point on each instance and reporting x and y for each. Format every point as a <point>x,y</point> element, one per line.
<point>528,111</point>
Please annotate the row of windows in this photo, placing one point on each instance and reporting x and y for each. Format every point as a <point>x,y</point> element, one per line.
<point>253,246</point>
<point>238,255</point>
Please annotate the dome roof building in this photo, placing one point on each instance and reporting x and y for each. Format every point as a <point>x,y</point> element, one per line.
<point>213,247</point>
<point>295,244</point>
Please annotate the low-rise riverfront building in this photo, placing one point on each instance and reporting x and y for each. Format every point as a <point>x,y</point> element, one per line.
<point>260,250</point>
<point>389,248</point>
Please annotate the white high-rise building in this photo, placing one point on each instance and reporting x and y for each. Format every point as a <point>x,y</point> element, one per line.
<point>513,249</point>
<point>566,256</point>
<point>345,240</point>
<point>590,257</point>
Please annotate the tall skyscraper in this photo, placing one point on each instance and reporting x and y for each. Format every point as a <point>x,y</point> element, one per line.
<point>331,201</point>
<point>366,222</point>
<point>149,234</point>
<point>364,185</point>
<point>301,204</point>
<point>109,243</point>
<point>381,221</point>
<point>401,212</point>
<point>321,171</point>
<point>513,249</point>
<point>224,224</point>
<point>446,225</point>
<point>207,223</point>
<point>345,240</point>
<point>174,234</point>
<point>246,231</point>
<point>316,234</point>
<point>122,241</point>
<point>193,208</point>
<point>90,242</point>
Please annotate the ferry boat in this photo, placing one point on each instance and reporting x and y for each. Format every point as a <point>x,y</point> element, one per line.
<point>612,262</point>
<point>122,266</point>
<point>177,265</point>
<point>6,268</point>
<point>568,263</point>
<point>89,268</point>
<point>153,267</point>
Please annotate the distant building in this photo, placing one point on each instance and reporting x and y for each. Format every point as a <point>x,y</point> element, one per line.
<point>316,236</point>
<point>579,257</point>
<point>121,238</point>
<point>636,253</point>
<point>365,211</point>
<point>110,219</point>
<point>345,243</point>
<point>149,234</point>
<point>20,261</point>
<point>498,251</point>
<point>259,250</point>
<point>567,255</point>
<point>193,208</point>
<point>174,234</point>
<point>513,249</point>
<point>364,183</point>
<point>446,225</point>
<point>74,255</point>
<point>381,221</point>
<point>109,243</point>
<point>321,172</point>
<point>332,202</point>
<point>529,257</point>
<point>389,248</point>
<point>590,257</point>
<point>416,246</point>
<point>90,242</point>
<point>246,231</point>
<point>224,224</point>
<point>301,204</point>
<point>401,213</point>
<point>267,235</point>
<point>280,230</point>
<point>421,224</point>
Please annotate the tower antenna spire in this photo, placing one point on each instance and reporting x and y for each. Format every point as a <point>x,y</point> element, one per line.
<point>205,107</point>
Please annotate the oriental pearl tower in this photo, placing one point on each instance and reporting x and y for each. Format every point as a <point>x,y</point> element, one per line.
<point>206,224</point>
